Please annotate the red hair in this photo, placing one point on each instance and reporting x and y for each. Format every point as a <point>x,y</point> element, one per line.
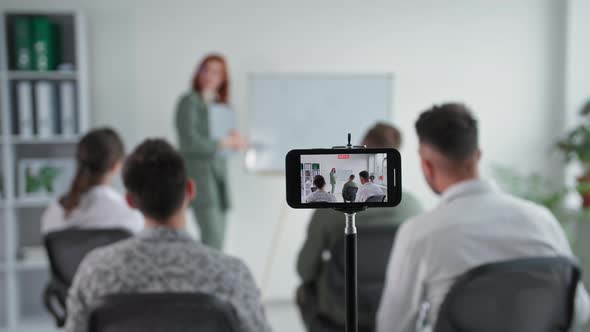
<point>223,91</point>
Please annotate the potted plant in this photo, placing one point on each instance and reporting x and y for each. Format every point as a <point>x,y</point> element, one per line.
<point>576,146</point>
<point>533,187</point>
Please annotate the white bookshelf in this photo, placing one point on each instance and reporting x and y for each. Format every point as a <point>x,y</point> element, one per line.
<point>23,276</point>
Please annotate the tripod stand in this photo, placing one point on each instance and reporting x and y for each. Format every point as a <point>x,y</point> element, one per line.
<point>351,283</point>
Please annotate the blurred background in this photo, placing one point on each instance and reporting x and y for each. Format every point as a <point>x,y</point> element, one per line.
<point>522,66</point>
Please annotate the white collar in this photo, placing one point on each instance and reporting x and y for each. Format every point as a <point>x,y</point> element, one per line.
<point>467,188</point>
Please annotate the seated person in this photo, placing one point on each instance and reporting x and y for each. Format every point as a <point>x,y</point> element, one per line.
<point>368,188</point>
<point>163,257</point>
<point>474,224</point>
<point>91,201</point>
<point>346,194</point>
<point>320,195</point>
<point>327,227</point>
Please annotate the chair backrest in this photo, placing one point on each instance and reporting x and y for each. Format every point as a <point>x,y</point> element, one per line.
<point>374,243</point>
<point>67,248</point>
<point>376,198</point>
<point>163,312</point>
<point>524,295</point>
<point>349,194</point>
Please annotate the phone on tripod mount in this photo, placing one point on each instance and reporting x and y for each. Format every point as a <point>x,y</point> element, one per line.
<point>343,178</point>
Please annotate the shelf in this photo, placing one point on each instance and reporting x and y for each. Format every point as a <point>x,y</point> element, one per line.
<point>34,324</point>
<point>33,264</point>
<point>20,306</point>
<point>59,75</point>
<point>20,203</point>
<point>32,202</point>
<point>48,140</point>
<point>30,264</point>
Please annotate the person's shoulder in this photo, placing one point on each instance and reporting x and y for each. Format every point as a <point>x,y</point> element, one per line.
<point>52,212</point>
<point>190,97</point>
<point>421,226</point>
<point>102,264</point>
<point>186,104</point>
<point>232,266</point>
<point>528,210</point>
<point>53,217</point>
<point>113,250</point>
<point>113,202</point>
<point>333,198</point>
<point>110,194</point>
<point>322,217</point>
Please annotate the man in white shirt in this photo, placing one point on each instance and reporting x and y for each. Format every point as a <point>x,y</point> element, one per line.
<point>474,224</point>
<point>367,189</point>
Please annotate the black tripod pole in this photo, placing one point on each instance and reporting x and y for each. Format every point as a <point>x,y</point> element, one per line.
<point>351,274</point>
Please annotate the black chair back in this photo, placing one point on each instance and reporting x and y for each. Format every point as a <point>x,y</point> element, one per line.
<point>66,249</point>
<point>376,198</point>
<point>163,312</point>
<point>524,295</point>
<point>349,194</point>
<point>373,250</point>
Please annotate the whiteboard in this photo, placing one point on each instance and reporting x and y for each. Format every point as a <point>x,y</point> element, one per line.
<point>289,111</point>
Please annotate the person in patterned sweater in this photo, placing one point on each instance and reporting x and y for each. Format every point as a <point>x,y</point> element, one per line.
<point>162,258</point>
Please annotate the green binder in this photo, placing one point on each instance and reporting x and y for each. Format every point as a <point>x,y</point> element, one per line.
<point>45,44</point>
<point>23,43</point>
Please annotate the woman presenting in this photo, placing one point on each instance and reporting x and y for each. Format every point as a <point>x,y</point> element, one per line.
<point>203,153</point>
<point>333,179</point>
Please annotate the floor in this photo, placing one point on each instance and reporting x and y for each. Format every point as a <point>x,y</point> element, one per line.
<point>284,317</point>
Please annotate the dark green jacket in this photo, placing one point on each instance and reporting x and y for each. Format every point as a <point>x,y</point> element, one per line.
<point>324,230</point>
<point>205,163</point>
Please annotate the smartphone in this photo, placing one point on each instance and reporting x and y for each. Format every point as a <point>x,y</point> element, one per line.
<point>339,178</point>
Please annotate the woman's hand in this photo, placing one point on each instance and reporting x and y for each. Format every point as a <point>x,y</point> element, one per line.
<point>234,141</point>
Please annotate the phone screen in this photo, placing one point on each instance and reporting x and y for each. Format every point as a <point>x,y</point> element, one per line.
<point>333,178</point>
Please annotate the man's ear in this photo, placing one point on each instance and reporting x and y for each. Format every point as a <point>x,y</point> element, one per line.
<point>116,169</point>
<point>130,201</point>
<point>191,190</point>
<point>427,168</point>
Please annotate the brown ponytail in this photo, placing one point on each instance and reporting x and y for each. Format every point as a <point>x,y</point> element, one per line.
<point>96,155</point>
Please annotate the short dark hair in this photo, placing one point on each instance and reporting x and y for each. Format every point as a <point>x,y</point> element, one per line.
<point>155,176</point>
<point>319,181</point>
<point>383,135</point>
<point>351,176</point>
<point>364,175</point>
<point>451,129</point>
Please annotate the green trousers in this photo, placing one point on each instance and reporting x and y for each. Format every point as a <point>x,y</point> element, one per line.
<point>212,223</point>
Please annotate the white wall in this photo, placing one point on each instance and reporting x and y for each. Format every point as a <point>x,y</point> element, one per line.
<point>502,57</point>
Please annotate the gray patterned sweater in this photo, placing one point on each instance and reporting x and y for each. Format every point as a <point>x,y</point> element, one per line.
<point>163,259</point>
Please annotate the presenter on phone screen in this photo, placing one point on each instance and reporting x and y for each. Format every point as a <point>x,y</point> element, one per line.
<point>333,179</point>
<point>203,153</point>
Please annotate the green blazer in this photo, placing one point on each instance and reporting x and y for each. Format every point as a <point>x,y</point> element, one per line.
<point>205,164</point>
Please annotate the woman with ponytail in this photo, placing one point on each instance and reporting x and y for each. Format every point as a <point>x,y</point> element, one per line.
<point>91,201</point>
